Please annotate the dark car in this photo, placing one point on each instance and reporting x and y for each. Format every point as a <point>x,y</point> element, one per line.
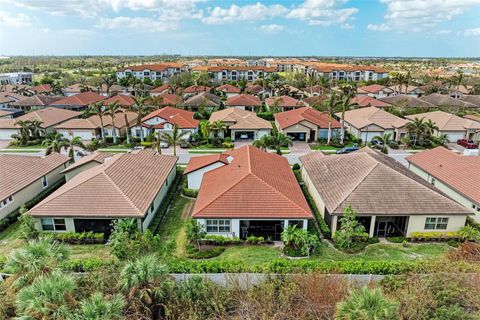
<point>347,150</point>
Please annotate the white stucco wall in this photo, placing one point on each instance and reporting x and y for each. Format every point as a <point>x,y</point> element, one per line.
<point>194,179</point>
<point>417,223</point>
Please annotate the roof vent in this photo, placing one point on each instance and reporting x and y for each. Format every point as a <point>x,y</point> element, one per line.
<point>229,159</point>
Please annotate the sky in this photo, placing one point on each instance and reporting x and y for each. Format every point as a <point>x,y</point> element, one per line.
<point>408,28</point>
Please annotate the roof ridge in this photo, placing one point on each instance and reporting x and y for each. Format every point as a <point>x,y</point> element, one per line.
<point>120,190</point>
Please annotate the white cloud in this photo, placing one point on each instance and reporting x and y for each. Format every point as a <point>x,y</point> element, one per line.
<point>443,32</point>
<point>14,21</point>
<point>472,32</point>
<point>323,12</point>
<point>136,23</point>
<point>418,15</point>
<point>379,27</point>
<point>253,12</point>
<point>271,28</point>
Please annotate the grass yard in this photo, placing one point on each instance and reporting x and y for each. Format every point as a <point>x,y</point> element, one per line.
<point>251,255</point>
<point>34,147</point>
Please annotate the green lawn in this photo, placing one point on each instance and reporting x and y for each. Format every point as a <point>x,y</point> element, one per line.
<point>327,147</point>
<point>251,255</point>
<point>35,146</point>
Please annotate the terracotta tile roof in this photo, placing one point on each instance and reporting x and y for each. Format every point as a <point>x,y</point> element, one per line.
<point>241,119</point>
<point>360,118</point>
<point>315,100</point>
<point>366,101</point>
<point>153,67</point>
<point>122,100</point>
<point>168,99</point>
<point>98,157</point>
<point>444,100</point>
<point>255,184</point>
<point>289,118</point>
<point>49,116</point>
<point>4,112</point>
<point>472,99</point>
<point>284,101</point>
<point>18,172</point>
<point>41,88</point>
<point>407,101</point>
<point>37,100</point>
<point>446,121</point>
<point>228,88</point>
<point>6,97</point>
<point>206,99</point>
<point>329,67</point>
<point>8,123</point>
<point>244,100</point>
<point>197,89</point>
<point>374,184</point>
<point>373,88</point>
<point>472,117</point>
<point>81,99</point>
<point>255,89</point>
<point>199,162</point>
<point>461,173</point>
<point>314,89</point>
<point>123,186</point>
<point>93,122</point>
<point>182,118</point>
<point>162,88</point>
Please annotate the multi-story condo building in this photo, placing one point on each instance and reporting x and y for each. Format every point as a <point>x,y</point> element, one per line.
<point>161,71</point>
<point>339,72</point>
<point>16,78</point>
<point>235,73</point>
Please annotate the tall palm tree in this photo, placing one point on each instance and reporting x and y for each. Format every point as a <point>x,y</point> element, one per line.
<point>331,105</point>
<point>99,307</point>
<point>218,127</point>
<point>384,140</point>
<point>108,80</point>
<point>457,80</point>
<point>35,128</point>
<point>127,132</point>
<point>367,304</point>
<point>205,129</point>
<point>48,297</point>
<point>406,81</point>
<point>430,127</point>
<point>75,142</point>
<point>112,110</point>
<point>99,110</point>
<point>277,141</point>
<point>142,110</point>
<point>346,106</point>
<point>55,144</point>
<point>417,127</point>
<point>24,131</point>
<point>34,259</point>
<point>174,138</point>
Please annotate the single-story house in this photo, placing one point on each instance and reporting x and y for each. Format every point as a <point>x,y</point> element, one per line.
<point>474,99</point>
<point>125,101</point>
<point>409,90</point>
<point>375,91</point>
<point>455,175</point>
<point>367,101</point>
<point>453,126</point>
<point>306,124</point>
<point>203,100</point>
<point>41,89</point>
<point>194,90</point>
<point>244,101</point>
<point>283,103</point>
<point>79,101</point>
<point>85,163</point>
<point>366,123</point>
<point>166,99</point>
<point>259,90</point>
<point>24,177</point>
<point>35,102</point>
<point>256,193</point>
<point>129,185</point>
<point>197,166</point>
<point>10,113</point>
<point>164,88</point>
<point>314,91</point>
<point>315,101</point>
<point>457,92</point>
<point>164,119</point>
<point>228,90</point>
<point>404,101</point>
<point>8,98</point>
<point>50,117</point>
<point>440,100</point>
<point>390,199</point>
<point>242,124</point>
<point>77,88</point>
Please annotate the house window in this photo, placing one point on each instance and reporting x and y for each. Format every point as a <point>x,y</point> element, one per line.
<point>49,224</point>
<point>44,182</point>
<point>436,223</point>
<point>298,223</point>
<point>152,207</point>
<point>433,181</point>
<point>218,225</point>
<point>6,202</point>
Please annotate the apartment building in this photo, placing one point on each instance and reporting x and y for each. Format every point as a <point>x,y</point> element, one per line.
<point>160,71</point>
<point>235,73</point>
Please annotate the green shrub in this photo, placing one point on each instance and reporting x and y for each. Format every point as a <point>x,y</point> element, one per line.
<point>255,240</point>
<point>85,265</point>
<point>453,243</point>
<point>405,244</point>
<point>227,145</point>
<point>266,115</point>
<point>296,166</point>
<point>219,240</point>
<point>206,254</point>
<point>396,239</point>
<point>76,237</point>
<point>373,240</point>
<point>3,261</point>
<point>435,236</point>
<point>190,192</point>
<point>146,144</point>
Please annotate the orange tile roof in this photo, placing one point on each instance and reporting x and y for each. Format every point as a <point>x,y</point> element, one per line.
<point>154,67</point>
<point>199,162</point>
<point>122,100</point>
<point>228,88</point>
<point>162,88</point>
<point>167,99</point>
<point>93,122</point>
<point>81,99</point>
<point>182,118</point>
<point>244,100</point>
<point>255,184</point>
<point>41,88</point>
<point>472,117</point>
<point>360,118</point>
<point>366,101</point>
<point>373,88</point>
<point>284,101</point>
<point>289,118</point>
<point>18,172</point>
<point>461,173</point>
<point>196,89</point>
<point>49,116</point>
<point>240,119</point>
<point>123,186</point>
<point>446,121</point>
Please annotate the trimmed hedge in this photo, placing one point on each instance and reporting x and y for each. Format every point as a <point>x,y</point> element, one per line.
<point>13,216</point>
<point>219,240</point>
<point>77,238</point>
<point>188,192</point>
<point>435,236</point>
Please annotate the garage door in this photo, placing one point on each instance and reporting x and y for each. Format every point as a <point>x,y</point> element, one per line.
<point>454,136</point>
<point>244,135</point>
<point>297,136</point>
<point>368,136</point>
<point>84,135</point>
<point>64,133</point>
<point>6,134</point>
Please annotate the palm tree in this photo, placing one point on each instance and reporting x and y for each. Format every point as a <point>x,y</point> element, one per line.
<point>218,127</point>
<point>331,105</point>
<point>205,129</point>
<point>457,80</point>
<point>346,105</point>
<point>24,131</point>
<point>367,304</point>
<point>99,110</point>
<point>35,259</point>
<point>35,128</point>
<point>76,141</point>
<point>275,141</point>
<point>125,117</point>
<point>430,127</point>
<point>112,109</point>
<point>140,278</point>
<point>348,88</point>
<point>384,140</point>
<point>417,127</point>
<point>99,307</point>
<point>142,110</point>
<point>443,139</point>
<point>263,143</point>
<point>109,80</point>
<point>406,81</point>
<point>55,144</point>
<point>48,297</point>
<point>174,138</point>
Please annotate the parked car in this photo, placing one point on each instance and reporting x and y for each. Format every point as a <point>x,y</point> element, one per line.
<point>377,143</point>
<point>164,144</point>
<point>347,150</point>
<point>81,153</point>
<point>468,144</point>
<point>244,136</point>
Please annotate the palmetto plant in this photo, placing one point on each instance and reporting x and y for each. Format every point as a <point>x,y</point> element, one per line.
<point>174,138</point>
<point>55,144</point>
<point>98,307</point>
<point>218,127</point>
<point>36,258</point>
<point>35,126</point>
<point>367,304</point>
<point>24,131</point>
<point>48,297</point>
<point>205,129</point>
<point>99,110</point>
<point>112,110</point>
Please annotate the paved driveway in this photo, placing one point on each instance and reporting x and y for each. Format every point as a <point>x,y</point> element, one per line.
<point>399,155</point>
<point>4,143</point>
<point>455,147</point>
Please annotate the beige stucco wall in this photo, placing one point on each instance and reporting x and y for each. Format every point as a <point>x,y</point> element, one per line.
<point>417,223</point>
<point>298,128</point>
<point>70,174</point>
<point>313,192</point>
<point>28,193</point>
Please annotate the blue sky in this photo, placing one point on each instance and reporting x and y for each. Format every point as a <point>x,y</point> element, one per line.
<point>439,28</point>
